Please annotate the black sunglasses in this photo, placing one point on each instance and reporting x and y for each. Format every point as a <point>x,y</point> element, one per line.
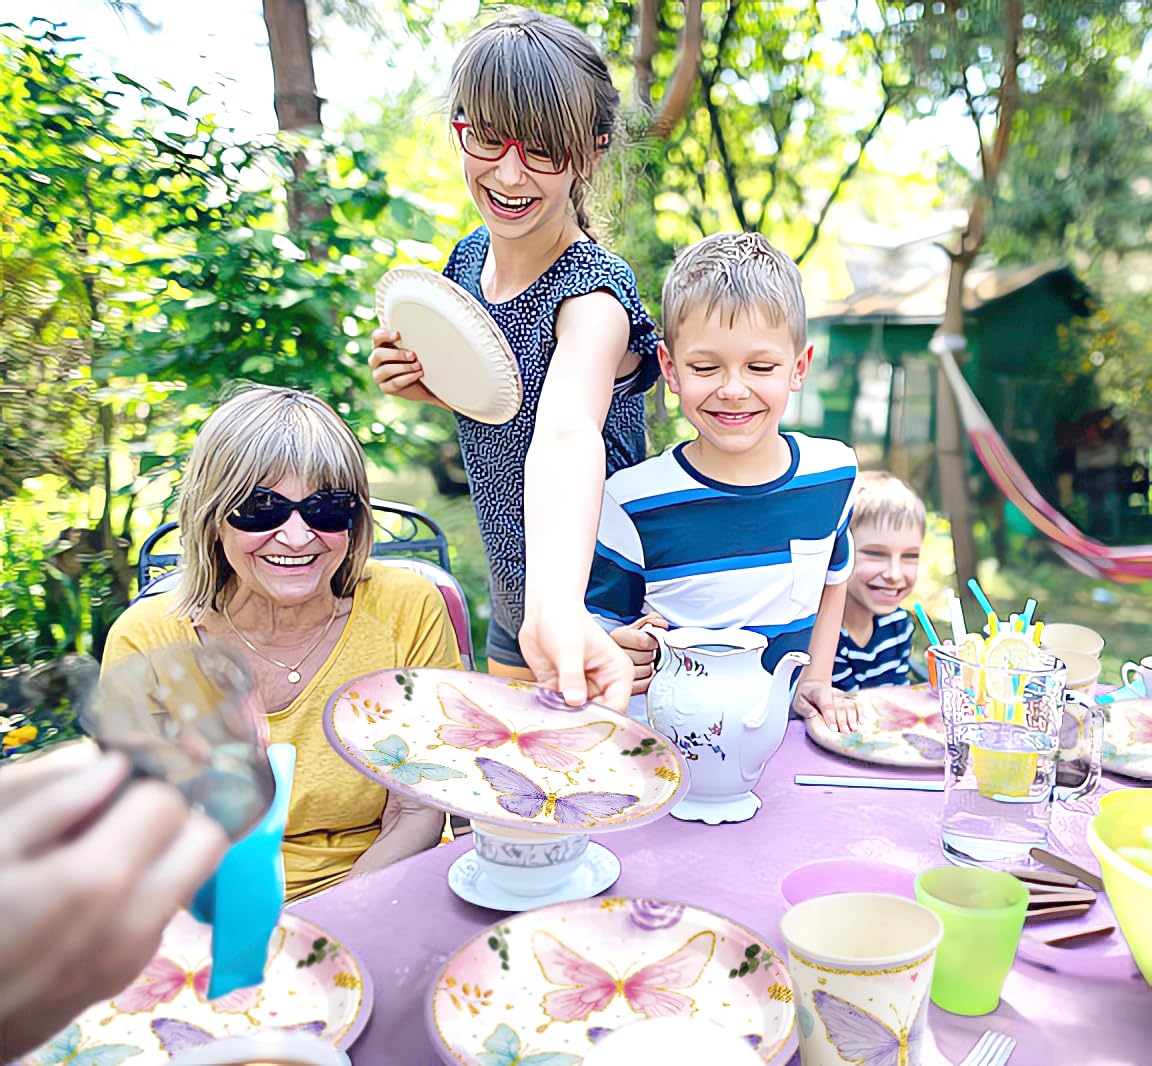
<point>326,511</point>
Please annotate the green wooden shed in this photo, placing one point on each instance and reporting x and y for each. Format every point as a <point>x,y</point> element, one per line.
<point>873,379</point>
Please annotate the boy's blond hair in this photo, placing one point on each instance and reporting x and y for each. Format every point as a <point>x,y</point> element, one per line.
<point>884,500</point>
<point>736,274</point>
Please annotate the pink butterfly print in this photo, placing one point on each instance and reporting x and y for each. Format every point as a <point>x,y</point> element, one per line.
<point>863,1038</point>
<point>162,980</point>
<point>1141,727</point>
<point>521,795</point>
<point>894,718</point>
<point>589,988</point>
<point>552,749</point>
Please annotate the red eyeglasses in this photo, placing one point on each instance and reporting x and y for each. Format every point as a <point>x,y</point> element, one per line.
<point>484,146</point>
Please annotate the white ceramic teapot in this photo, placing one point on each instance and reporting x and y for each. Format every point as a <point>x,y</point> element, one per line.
<point>727,715</point>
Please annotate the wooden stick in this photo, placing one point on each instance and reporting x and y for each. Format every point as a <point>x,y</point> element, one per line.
<point>1051,899</point>
<point>1042,878</point>
<point>1066,866</point>
<point>1052,914</point>
<point>1074,937</point>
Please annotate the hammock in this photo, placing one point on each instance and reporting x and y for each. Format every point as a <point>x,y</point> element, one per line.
<point>1126,565</point>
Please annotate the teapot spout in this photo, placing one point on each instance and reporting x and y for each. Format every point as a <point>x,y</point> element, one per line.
<point>780,690</point>
<point>764,729</point>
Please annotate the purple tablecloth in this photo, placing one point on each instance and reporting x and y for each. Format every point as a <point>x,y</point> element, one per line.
<point>404,922</point>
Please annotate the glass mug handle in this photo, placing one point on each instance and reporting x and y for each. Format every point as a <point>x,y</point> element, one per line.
<point>1090,720</point>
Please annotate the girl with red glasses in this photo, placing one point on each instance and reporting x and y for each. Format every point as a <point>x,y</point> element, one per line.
<point>533,108</point>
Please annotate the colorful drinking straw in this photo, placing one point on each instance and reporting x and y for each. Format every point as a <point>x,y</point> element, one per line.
<point>981,599</point>
<point>956,616</point>
<point>929,631</point>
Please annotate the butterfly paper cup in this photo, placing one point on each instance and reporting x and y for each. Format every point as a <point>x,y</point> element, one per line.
<point>861,966</point>
<point>527,864</point>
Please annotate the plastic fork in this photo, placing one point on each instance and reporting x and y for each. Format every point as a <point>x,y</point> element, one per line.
<point>992,1049</point>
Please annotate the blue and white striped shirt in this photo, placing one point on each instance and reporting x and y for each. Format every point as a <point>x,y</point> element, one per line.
<point>703,553</point>
<point>882,661</point>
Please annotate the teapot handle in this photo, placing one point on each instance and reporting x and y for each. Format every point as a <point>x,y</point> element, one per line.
<point>661,634</point>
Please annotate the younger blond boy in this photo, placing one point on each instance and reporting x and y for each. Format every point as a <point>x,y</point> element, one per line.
<point>888,525</point>
<point>747,525</point>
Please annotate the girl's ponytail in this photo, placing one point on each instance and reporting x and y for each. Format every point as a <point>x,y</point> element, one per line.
<point>579,196</point>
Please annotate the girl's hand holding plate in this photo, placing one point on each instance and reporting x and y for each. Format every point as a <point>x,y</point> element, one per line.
<point>397,371</point>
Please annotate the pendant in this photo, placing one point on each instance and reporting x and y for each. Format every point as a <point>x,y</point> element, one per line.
<point>294,676</point>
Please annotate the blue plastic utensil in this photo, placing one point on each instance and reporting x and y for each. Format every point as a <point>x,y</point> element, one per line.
<point>243,899</point>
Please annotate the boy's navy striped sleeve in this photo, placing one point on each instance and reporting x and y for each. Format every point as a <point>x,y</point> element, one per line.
<point>843,550</point>
<point>616,586</point>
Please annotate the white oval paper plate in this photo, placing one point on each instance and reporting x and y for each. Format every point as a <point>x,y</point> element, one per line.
<point>466,358</point>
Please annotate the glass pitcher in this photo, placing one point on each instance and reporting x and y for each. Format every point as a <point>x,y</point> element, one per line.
<point>1006,729</point>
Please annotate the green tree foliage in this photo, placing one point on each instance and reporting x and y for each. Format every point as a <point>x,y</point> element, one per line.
<point>143,261</point>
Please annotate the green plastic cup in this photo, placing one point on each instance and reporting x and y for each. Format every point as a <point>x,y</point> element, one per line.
<point>983,914</point>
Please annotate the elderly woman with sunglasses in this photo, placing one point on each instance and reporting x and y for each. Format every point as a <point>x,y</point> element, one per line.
<point>277,530</point>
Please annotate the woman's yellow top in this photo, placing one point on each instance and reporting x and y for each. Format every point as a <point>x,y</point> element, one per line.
<point>398,619</point>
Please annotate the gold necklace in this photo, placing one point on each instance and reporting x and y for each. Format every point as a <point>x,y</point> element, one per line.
<point>293,671</point>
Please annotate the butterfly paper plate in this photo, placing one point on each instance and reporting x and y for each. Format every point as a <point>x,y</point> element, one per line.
<point>900,725</point>
<point>466,358</point>
<point>506,752</point>
<point>311,984</point>
<point>1128,738</point>
<point>544,986</point>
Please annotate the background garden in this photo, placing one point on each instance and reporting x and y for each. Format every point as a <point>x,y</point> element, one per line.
<point>154,248</point>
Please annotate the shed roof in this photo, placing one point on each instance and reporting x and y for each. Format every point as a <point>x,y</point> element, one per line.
<point>918,295</point>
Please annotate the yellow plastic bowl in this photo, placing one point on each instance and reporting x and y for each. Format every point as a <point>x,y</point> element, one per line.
<point>1124,816</point>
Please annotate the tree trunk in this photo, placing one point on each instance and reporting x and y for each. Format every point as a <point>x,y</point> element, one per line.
<point>678,92</point>
<point>646,28</point>
<point>293,76</point>
<point>951,443</point>
<point>294,85</point>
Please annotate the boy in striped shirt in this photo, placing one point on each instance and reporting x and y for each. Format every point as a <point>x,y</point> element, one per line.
<point>888,526</point>
<point>745,526</point>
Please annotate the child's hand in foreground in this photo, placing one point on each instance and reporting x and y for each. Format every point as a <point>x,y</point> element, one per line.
<point>397,371</point>
<point>641,648</point>
<point>838,709</point>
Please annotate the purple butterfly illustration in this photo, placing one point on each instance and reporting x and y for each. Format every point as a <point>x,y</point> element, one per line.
<point>863,1038</point>
<point>522,796</point>
<point>177,1036</point>
<point>926,747</point>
